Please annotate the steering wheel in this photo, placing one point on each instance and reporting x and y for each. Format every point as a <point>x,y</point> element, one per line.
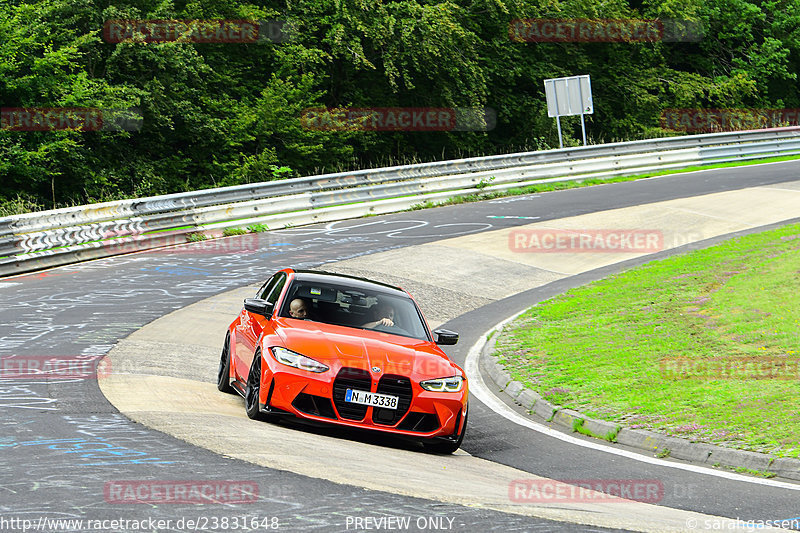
<point>392,329</point>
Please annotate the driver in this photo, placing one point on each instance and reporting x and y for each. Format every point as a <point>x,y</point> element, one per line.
<point>384,314</point>
<point>299,308</point>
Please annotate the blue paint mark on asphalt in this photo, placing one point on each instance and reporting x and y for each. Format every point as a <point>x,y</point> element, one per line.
<point>97,448</point>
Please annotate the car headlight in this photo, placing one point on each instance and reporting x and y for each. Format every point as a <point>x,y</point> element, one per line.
<point>290,358</point>
<point>452,384</point>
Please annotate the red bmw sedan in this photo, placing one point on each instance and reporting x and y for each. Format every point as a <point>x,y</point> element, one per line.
<point>347,351</point>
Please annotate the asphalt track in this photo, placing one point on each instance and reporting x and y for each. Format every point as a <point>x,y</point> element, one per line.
<point>62,441</point>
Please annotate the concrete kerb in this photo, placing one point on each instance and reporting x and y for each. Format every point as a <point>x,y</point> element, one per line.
<point>657,444</point>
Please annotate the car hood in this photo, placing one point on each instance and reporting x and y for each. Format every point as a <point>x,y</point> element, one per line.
<point>338,346</point>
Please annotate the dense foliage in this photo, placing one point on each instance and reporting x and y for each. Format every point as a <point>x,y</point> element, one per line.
<point>220,114</point>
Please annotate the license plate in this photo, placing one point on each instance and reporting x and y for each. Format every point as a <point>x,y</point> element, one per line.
<point>385,401</point>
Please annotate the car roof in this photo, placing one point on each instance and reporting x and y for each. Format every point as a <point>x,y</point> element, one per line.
<point>351,281</point>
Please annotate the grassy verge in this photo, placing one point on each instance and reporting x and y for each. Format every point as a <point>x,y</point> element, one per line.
<point>704,345</point>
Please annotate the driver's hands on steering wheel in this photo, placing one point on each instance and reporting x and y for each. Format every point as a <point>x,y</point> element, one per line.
<point>393,328</point>
<point>385,322</point>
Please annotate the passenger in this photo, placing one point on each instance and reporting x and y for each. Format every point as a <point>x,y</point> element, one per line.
<point>300,308</point>
<point>384,314</point>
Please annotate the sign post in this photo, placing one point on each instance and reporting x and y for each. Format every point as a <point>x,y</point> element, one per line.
<point>566,97</point>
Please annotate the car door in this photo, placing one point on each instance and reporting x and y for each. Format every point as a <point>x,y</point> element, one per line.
<point>250,325</point>
<point>253,324</point>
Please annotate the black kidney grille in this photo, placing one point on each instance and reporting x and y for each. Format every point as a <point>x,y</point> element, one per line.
<point>350,378</point>
<point>396,386</point>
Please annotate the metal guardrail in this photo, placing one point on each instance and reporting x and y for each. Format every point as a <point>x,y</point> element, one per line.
<point>45,239</point>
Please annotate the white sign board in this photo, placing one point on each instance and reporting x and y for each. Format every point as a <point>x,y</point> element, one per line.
<point>568,96</point>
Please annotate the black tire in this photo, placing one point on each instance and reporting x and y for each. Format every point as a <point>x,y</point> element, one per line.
<point>450,445</point>
<point>251,391</point>
<point>223,375</point>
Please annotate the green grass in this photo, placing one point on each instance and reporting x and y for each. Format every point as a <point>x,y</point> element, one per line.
<point>753,472</point>
<point>196,237</point>
<point>232,232</point>
<point>257,228</point>
<point>744,470</point>
<point>605,349</point>
<point>579,427</point>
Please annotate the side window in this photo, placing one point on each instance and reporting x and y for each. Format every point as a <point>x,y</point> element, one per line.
<point>277,287</point>
<point>265,289</point>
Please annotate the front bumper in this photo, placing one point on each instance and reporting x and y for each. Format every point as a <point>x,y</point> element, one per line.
<point>320,397</point>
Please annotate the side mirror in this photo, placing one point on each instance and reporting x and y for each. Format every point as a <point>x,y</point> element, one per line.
<point>258,306</point>
<point>445,337</point>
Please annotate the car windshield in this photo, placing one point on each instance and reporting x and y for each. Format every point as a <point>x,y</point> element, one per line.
<point>341,305</point>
